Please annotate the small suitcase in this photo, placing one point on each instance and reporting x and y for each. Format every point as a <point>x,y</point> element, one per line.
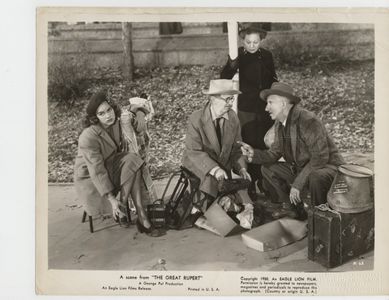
<point>157,213</point>
<point>334,237</point>
<point>173,211</point>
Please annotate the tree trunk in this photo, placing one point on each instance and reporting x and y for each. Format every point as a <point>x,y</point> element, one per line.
<point>128,58</point>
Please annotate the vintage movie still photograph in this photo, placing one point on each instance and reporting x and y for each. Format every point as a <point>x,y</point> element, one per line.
<point>210,154</point>
<point>211,146</point>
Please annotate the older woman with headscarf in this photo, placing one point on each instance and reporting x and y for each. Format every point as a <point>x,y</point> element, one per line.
<point>104,167</point>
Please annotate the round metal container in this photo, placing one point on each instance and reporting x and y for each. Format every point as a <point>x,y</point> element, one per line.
<point>350,190</point>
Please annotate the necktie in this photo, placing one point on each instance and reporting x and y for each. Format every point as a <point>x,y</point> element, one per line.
<point>219,131</point>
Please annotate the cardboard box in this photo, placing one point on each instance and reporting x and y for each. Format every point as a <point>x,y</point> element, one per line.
<point>275,234</point>
<point>221,221</point>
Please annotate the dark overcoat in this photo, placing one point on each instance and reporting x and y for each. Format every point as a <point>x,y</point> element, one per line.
<point>256,73</point>
<point>312,146</point>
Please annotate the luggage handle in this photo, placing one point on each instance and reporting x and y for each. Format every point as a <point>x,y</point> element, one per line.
<point>168,184</point>
<point>325,207</point>
<point>179,191</point>
<point>158,201</point>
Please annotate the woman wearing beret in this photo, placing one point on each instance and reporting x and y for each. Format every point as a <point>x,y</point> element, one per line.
<point>256,73</point>
<point>104,166</point>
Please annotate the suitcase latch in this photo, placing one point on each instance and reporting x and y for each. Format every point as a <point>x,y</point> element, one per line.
<point>319,247</point>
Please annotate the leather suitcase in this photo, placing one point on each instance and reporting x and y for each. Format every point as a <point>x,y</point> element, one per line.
<point>334,238</point>
<point>157,214</point>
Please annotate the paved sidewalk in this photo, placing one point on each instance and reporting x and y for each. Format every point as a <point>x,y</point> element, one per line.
<point>72,246</point>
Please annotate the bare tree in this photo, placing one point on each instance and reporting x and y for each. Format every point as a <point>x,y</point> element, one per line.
<point>128,58</point>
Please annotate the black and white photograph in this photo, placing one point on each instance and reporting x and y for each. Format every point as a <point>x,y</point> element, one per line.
<point>238,146</point>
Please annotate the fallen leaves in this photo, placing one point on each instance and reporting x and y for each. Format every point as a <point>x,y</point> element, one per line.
<point>342,95</point>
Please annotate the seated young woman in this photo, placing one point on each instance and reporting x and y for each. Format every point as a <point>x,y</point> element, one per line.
<point>104,166</point>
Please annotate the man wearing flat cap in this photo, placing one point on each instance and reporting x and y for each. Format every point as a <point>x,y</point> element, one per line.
<point>212,151</point>
<point>311,157</point>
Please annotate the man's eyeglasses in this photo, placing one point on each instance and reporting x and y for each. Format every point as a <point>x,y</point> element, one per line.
<point>228,99</point>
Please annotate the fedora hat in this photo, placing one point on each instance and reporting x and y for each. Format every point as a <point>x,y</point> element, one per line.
<point>280,89</point>
<point>221,87</point>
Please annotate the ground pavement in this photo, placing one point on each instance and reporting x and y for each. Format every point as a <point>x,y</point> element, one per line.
<point>72,246</point>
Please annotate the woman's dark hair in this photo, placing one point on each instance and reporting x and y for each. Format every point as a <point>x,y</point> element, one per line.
<point>250,30</point>
<point>253,28</point>
<point>93,120</point>
<point>262,34</point>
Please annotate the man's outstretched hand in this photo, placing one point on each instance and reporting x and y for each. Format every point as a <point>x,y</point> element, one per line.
<point>247,151</point>
<point>294,196</point>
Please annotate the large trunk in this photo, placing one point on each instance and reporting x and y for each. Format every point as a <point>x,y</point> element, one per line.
<point>334,238</point>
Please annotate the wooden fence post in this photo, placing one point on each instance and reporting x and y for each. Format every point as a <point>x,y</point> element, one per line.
<point>128,58</point>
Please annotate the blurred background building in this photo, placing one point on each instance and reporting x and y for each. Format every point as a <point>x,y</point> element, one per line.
<point>175,43</point>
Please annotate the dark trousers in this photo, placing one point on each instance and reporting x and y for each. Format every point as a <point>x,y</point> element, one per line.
<point>254,127</point>
<point>279,177</point>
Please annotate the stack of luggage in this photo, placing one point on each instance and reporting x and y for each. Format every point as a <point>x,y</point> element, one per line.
<point>343,228</point>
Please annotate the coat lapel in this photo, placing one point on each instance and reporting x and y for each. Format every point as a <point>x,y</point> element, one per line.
<point>116,131</point>
<point>105,136</point>
<point>293,130</point>
<point>209,129</point>
<point>278,134</point>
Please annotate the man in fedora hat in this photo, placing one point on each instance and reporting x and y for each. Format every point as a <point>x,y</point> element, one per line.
<point>211,144</point>
<point>311,157</point>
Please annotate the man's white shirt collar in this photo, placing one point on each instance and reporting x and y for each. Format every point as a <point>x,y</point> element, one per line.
<point>286,119</point>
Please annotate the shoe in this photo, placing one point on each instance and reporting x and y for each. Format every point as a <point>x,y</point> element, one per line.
<point>268,204</point>
<point>302,214</point>
<point>259,216</point>
<point>282,212</point>
<point>151,231</point>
